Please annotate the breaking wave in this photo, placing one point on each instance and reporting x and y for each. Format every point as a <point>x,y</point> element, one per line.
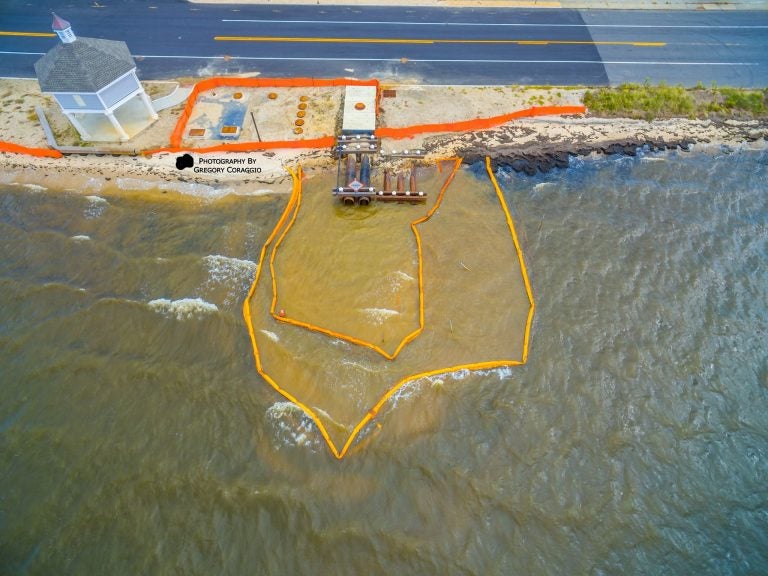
<point>225,270</point>
<point>184,309</point>
<point>292,427</point>
<point>233,274</point>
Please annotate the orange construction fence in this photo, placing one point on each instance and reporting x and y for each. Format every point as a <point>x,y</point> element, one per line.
<point>478,123</point>
<point>328,141</point>
<point>19,149</point>
<point>211,83</point>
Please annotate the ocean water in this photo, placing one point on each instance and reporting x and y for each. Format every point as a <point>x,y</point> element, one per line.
<point>137,438</point>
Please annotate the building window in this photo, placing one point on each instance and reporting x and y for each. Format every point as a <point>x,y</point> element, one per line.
<point>79,100</point>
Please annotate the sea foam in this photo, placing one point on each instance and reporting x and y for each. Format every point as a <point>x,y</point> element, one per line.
<point>187,188</point>
<point>184,309</point>
<point>234,274</point>
<point>292,427</point>
<point>261,192</point>
<point>96,207</point>
<point>379,315</point>
<point>271,335</point>
<point>225,270</point>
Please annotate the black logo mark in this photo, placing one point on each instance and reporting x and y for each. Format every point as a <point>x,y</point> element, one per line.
<point>184,161</point>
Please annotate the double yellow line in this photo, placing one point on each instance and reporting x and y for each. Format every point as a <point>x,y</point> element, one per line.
<point>429,41</point>
<point>388,40</point>
<point>32,34</point>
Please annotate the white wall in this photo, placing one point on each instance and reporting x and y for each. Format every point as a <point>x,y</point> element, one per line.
<point>70,103</point>
<point>120,89</point>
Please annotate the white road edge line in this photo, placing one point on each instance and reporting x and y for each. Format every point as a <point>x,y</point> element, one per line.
<point>397,60</point>
<point>512,24</point>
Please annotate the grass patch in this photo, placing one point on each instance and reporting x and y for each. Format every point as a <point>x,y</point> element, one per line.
<point>663,101</point>
<point>746,100</point>
<point>641,101</point>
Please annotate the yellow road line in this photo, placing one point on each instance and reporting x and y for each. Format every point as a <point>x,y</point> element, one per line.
<point>33,34</point>
<point>590,42</point>
<point>427,41</point>
<point>321,40</point>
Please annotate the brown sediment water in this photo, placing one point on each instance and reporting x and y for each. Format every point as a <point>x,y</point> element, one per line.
<point>137,438</point>
<point>386,285</point>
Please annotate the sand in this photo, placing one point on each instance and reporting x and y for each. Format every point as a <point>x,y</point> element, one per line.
<point>410,105</point>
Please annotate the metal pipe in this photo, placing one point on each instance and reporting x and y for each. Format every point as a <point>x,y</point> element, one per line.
<point>351,168</point>
<point>365,171</point>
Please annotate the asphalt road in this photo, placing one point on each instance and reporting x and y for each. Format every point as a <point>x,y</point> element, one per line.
<point>430,45</point>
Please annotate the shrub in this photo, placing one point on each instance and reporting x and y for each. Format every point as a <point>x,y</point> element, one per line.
<point>735,99</point>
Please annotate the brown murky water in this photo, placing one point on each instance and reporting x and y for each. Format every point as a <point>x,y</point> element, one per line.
<point>137,438</point>
<point>354,274</point>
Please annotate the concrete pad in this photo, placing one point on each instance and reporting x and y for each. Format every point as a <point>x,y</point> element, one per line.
<point>274,119</point>
<point>178,96</point>
<point>132,115</point>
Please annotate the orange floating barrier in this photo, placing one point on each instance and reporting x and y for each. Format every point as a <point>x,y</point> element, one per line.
<point>419,253</point>
<point>286,219</point>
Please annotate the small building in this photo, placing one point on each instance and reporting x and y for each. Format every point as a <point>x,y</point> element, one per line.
<point>94,80</point>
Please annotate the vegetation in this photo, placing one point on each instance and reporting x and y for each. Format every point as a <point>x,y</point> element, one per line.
<point>67,136</point>
<point>641,101</point>
<point>537,100</point>
<point>752,101</point>
<point>664,101</point>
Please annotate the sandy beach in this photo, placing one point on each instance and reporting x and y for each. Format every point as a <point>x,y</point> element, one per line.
<point>529,145</point>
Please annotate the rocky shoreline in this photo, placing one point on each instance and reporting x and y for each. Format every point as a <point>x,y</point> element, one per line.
<point>538,146</point>
<point>544,159</point>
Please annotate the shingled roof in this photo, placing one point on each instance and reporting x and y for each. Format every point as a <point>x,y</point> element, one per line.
<point>85,65</point>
